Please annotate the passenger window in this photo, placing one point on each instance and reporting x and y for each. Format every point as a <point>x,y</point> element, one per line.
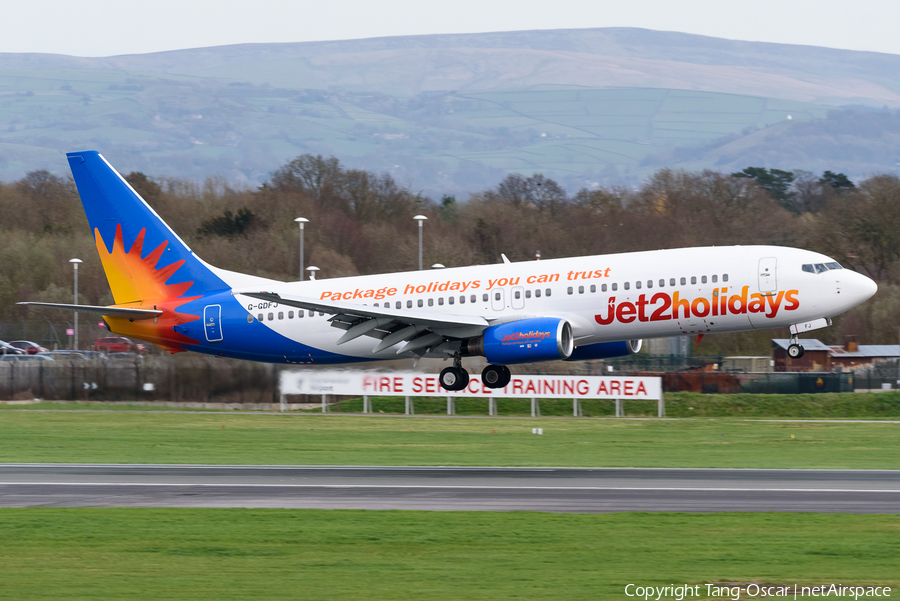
<point>833,265</point>
<point>703,280</point>
<point>671,281</point>
<point>547,292</point>
<point>321,314</point>
<point>249,318</point>
<point>299,313</point>
<point>637,284</point>
<point>581,290</point>
<point>662,283</point>
<point>290,315</point>
<point>474,298</point>
<point>649,283</point>
<point>615,287</point>
<point>259,317</point>
<point>450,300</point>
<point>280,315</point>
<point>271,317</point>
<point>518,294</point>
<point>715,279</point>
<point>820,268</point>
<point>627,285</point>
<point>602,287</point>
<point>430,302</point>
<point>528,294</point>
<point>593,288</point>
<point>398,305</point>
<point>462,299</point>
<point>569,290</point>
<point>683,281</point>
<point>485,297</point>
<point>441,301</point>
<point>693,279</point>
<point>420,303</point>
<point>409,304</point>
<point>725,277</point>
<point>537,293</point>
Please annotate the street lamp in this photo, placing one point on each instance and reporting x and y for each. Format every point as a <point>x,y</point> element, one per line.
<point>420,219</point>
<point>312,269</point>
<point>75,263</point>
<point>301,221</point>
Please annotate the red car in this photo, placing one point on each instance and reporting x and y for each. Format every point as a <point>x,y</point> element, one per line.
<point>29,347</point>
<point>117,344</point>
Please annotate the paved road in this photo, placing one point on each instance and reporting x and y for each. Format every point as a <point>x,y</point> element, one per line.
<point>450,488</point>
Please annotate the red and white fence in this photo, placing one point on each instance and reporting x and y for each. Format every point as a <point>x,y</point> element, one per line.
<point>415,384</point>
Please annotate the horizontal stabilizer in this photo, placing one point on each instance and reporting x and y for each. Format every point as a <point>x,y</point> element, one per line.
<point>101,310</point>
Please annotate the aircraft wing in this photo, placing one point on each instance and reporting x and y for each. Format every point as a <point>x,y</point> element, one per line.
<point>420,331</point>
<point>102,310</point>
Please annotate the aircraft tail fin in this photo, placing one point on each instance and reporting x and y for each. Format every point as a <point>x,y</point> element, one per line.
<point>144,260</point>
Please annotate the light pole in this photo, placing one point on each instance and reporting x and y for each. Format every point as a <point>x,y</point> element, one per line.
<point>421,219</point>
<point>75,263</point>
<point>301,221</point>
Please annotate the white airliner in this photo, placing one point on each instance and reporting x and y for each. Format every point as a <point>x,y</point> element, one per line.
<point>573,309</point>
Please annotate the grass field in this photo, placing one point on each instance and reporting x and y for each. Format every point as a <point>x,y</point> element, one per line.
<point>193,437</point>
<point>320,554</point>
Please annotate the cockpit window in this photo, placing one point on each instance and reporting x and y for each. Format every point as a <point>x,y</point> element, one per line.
<point>821,267</point>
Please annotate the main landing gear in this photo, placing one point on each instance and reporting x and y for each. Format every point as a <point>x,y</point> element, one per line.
<point>496,376</point>
<point>795,349</point>
<point>454,378</point>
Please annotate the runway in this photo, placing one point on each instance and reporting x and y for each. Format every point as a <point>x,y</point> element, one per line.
<point>581,490</point>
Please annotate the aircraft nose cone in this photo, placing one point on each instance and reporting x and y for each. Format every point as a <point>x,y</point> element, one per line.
<point>861,288</point>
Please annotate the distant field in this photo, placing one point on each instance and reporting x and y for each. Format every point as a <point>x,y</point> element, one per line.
<point>195,437</point>
<point>320,554</point>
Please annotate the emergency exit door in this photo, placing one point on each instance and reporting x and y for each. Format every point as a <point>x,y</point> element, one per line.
<point>212,323</point>
<point>768,279</point>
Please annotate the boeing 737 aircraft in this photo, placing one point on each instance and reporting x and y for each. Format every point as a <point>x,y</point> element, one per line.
<point>573,309</point>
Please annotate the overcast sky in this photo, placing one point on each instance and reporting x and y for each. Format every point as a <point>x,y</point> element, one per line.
<point>110,27</point>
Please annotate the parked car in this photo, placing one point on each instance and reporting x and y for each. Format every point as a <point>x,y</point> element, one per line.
<point>124,357</point>
<point>26,358</point>
<point>67,355</point>
<point>32,348</point>
<point>8,349</point>
<point>117,344</point>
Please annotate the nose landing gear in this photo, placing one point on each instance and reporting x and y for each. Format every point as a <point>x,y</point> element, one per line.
<point>795,349</point>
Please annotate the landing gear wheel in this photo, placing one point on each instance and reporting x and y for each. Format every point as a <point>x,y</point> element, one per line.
<point>454,378</point>
<point>795,351</point>
<point>495,376</point>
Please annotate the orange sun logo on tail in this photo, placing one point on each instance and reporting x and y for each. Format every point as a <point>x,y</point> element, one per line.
<point>136,282</point>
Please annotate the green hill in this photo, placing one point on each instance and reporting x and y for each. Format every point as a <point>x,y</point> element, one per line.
<point>451,113</point>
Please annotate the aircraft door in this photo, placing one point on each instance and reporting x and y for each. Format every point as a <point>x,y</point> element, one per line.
<point>518,297</point>
<point>768,279</point>
<point>498,303</point>
<point>212,323</point>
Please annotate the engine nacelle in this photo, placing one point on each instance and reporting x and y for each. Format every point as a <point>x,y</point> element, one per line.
<point>606,350</point>
<point>524,341</point>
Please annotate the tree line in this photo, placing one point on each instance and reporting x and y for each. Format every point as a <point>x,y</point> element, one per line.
<point>361,222</point>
